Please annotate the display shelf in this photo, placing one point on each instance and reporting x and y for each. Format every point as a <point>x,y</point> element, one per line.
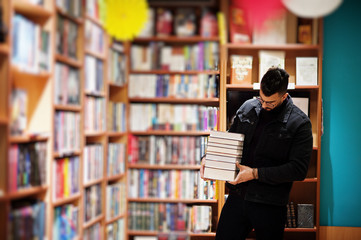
<point>69,61</point>
<point>66,200</point>
<point>27,192</point>
<point>28,139</point>
<point>115,177</point>
<point>36,13</point>
<point>93,182</point>
<point>70,108</point>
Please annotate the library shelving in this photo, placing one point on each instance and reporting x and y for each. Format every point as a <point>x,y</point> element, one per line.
<point>233,95</point>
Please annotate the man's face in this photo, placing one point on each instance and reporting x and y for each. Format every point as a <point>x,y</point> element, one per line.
<point>271,102</point>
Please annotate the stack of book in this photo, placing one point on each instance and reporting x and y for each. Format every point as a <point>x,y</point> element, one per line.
<point>224,149</point>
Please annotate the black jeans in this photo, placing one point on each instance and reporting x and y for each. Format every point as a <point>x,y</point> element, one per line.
<point>239,217</point>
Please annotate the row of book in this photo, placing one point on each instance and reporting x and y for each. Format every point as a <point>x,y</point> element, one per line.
<point>159,56</point>
<point>300,215</point>
<point>117,65</point>
<point>92,202</point>
<point>242,65</point>
<point>67,85</point>
<point>32,55</point>
<point>169,217</point>
<point>66,221</point>
<point>116,117</point>
<point>116,230</point>
<point>179,117</point>
<point>67,37</point>
<point>66,177</point>
<point>27,220</point>
<point>94,38</point>
<point>116,200</point>
<point>182,22</point>
<point>161,150</point>
<point>27,163</point>
<point>116,158</point>
<point>94,74</point>
<point>93,155</point>
<point>94,114</point>
<point>19,110</point>
<point>173,184</point>
<point>178,85</point>
<point>92,9</point>
<point>72,7</point>
<point>66,132</point>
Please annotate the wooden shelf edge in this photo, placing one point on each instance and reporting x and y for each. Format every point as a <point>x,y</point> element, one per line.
<point>4,121</point>
<point>69,61</point>
<point>250,87</point>
<point>288,46</point>
<point>23,193</point>
<point>36,12</point>
<point>177,39</point>
<point>160,72</point>
<point>95,134</point>
<point>71,108</point>
<point>67,154</point>
<point>93,221</point>
<point>94,94</point>
<point>174,100</point>
<point>171,133</point>
<point>95,21</point>
<point>68,16</point>
<point>115,177</point>
<point>59,202</point>
<point>116,85</point>
<point>314,229</point>
<point>165,166</point>
<point>155,233</point>
<point>100,56</point>
<point>114,219</point>
<point>28,138</point>
<point>116,134</point>
<point>169,200</point>
<point>18,73</point>
<point>93,182</point>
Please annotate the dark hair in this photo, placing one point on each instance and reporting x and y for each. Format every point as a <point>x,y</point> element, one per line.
<point>274,81</point>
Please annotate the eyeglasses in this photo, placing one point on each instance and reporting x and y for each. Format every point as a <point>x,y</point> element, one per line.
<point>268,104</point>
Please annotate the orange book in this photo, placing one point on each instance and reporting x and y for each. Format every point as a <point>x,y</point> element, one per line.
<point>241,69</point>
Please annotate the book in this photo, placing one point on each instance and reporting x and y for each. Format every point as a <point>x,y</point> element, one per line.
<point>238,30</point>
<point>302,103</point>
<point>222,158</point>
<point>164,22</point>
<point>305,215</point>
<point>268,59</point>
<point>241,69</point>
<point>227,135</point>
<point>19,106</point>
<point>304,30</point>
<point>185,22</point>
<point>219,174</point>
<point>306,71</point>
<point>223,150</point>
<point>221,164</point>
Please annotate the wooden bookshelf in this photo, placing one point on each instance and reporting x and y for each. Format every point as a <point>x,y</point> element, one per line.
<point>306,191</point>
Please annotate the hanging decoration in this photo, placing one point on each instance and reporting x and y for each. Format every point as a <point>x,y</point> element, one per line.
<point>312,8</point>
<point>124,19</point>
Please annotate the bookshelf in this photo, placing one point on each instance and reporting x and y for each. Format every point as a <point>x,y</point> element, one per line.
<point>233,95</point>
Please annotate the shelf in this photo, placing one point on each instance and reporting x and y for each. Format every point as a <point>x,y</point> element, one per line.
<point>95,21</point>
<point>95,134</point>
<point>176,39</point>
<point>71,108</point>
<point>94,94</point>
<point>309,180</point>
<point>210,72</point>
<point>297,47</point>
<point>17,73</point>
<point>156,233</point>
<point>69,61</point>
<point>96,55</point>
<point>250,87</point>
<point>116,134</point>
<point>27,192</point>
<point>28,138</point>
<point>213,101</point>
<point>171,133</point>
<point>169,200</point>
<point>67,154</point>
<point>115,219</point>
<point>66,15</point>
<point>36,13</point>
<point>59,202</point>
<point>301,229</point>
<point>164,167</point>
<point>116,85</point>
<point>115,177</point>
<point>93,221</point>
<point>4,49</point>
<point>93,182</point>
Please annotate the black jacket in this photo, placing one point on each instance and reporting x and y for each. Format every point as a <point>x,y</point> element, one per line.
<point>282,154</point>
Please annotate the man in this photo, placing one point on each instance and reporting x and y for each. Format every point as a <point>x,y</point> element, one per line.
<point>277,150</point>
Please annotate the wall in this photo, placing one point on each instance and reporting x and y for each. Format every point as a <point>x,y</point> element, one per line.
<point>341,142</point>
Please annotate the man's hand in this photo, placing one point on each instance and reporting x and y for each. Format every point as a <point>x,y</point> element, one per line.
<point>245,174</point>
<point>203,165</point>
